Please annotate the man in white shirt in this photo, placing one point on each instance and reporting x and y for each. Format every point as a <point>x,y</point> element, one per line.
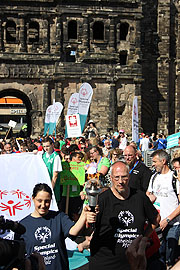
<point>144,143</point>
<point>164,194</point>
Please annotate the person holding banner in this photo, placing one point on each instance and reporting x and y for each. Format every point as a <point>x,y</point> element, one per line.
<point>53,163</point>
<point>46,230</point>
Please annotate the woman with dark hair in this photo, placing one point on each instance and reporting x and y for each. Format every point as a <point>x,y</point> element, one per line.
<point>91,130</point>
<point>46,230</point>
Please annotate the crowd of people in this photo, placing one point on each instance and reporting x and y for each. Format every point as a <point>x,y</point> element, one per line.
<point>136,202</point>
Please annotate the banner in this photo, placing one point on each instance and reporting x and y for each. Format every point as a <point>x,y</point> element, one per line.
<point>135,121</point>
<point>53,113</point>
<point>73,125</point>
<point>19,173</point>
<point>172,140</point>
<point>73,105</point>
<point>73,173</point>
<point>85,96</point>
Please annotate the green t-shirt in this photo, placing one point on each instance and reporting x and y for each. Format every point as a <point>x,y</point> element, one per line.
<point>49,162</point>
<point>104,161</point>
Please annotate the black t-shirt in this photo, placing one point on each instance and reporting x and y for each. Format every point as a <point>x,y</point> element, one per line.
<point>119,222</point>
<point>140,177</point>
<point>46,235</point>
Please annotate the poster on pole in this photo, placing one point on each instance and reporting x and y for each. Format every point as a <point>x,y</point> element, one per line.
<point>73,105</point>
<point>73,125</point>
<point>135,121</point>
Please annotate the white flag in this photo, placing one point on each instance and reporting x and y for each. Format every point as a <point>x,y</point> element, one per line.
<point>85,96</point>
<point>135,121</point>
<point>73,104</point>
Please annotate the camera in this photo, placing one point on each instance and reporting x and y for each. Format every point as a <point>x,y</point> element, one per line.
<point>12,252</point>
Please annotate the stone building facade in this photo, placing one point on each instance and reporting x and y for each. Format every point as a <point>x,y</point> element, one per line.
<point>123,48</point>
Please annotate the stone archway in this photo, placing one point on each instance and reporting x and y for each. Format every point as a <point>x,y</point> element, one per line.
<point>19,94</point>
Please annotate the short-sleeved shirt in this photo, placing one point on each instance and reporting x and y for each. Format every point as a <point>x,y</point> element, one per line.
<point>119,222</point>
<point>166,199</point>
<point>104,161</point>
<point>46,235</point>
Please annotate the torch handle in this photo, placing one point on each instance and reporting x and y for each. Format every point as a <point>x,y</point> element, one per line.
<point>93,208</point>
<point>92,225</point>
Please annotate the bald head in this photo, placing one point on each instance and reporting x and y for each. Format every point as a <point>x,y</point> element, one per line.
<point>120,178</point>
<point>119,164</point>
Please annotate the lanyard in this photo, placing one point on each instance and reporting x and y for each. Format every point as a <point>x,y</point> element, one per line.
<point>99,161</point>
<point>134,166</point>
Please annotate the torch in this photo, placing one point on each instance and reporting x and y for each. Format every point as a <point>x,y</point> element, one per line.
<point>92,190</point>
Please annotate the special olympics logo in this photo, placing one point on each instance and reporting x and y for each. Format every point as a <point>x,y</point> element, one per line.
<point>84,91</point>
<point>14,200</point>
<point>126,217</point>
<point>42,234</point>
<point>74,101</point>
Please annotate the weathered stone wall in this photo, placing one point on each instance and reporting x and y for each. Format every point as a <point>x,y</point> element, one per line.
<point>37,55</point>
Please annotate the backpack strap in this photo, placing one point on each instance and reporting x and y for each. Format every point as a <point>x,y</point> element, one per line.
<point>154,177</point>
<point>173,183</point>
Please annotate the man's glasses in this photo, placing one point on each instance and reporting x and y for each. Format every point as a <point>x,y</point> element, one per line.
<point>125,156</point>
<point>123,178</point>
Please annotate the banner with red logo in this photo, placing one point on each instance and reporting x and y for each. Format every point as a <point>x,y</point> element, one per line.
<point>73,125</point>
<point>19,173</point>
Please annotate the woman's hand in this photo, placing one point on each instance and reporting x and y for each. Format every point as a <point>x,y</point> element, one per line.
<point>90,216</point>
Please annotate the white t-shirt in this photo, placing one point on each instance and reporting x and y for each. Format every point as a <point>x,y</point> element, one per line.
<point>144,142</point>
<point>167,200</point>
<point>123,143</point>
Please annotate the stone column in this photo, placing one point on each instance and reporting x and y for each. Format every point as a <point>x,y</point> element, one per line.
<point>112,35</point>
<point>59,92</point>
<point>1,36</point>
<point>58,36</point>
<point>112,105</point>
<point>45,35</point>
<point>163,63</point>
<point>59,97</point>
<point>45,102</point>
<point>86,32</point>
<point>22,35</point>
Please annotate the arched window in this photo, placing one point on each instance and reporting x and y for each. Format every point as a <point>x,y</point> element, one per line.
<point>33,33</point>
<point>98,31</point>
<point>123,58</point>
<point>124,27</point>
<point>72,29</point>
<point>10,32</point>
